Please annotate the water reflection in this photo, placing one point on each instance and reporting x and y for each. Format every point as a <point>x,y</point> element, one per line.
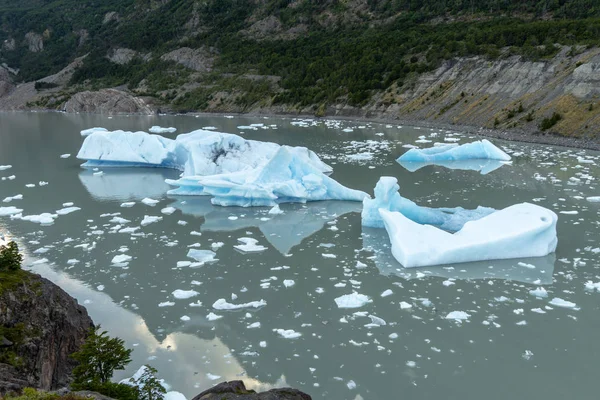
<point>536,270</point>
<point>483,166</point>
<point>283,231</point>
<point>180,357</point>
<point>126,183</point>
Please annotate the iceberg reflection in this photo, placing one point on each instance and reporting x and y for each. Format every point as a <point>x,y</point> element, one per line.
<point>283,231</point>
<point>483,166</point>
<point>127,183</point>
<point>536,270</point>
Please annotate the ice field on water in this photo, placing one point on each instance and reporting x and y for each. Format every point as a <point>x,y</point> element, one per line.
<point>306,296</point>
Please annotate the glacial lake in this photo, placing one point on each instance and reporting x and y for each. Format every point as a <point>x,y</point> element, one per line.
<point>399,346</point>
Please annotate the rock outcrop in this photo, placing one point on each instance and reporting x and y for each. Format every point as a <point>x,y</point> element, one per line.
<point>107,101</point>
<point>236,390</point>
<point>197,59</point>
<point>6,85</point>
<point>35,41</point>
<point>46,326</point>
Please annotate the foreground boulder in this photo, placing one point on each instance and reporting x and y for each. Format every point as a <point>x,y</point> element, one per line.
<point>107,101</point>
<point>236,390</point>
<point>40,326</point>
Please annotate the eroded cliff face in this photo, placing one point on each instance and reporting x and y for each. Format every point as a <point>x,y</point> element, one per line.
<point>46,325</point>
<point>107,101</point>
<point>507,93</point>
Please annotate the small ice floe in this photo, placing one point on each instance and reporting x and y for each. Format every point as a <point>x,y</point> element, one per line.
<point>66,155</point>
<point>159,129</point>
<point>6,211</point>
<point>222,304</point>
<point>184,294</point>
<point>128,204</point>
<point>287,333</point>
<point>539,292</point>
<point>148,219</point>
<point>558,302</point>
<point>288,282</point>
<point>67,210</point>
<point>201,256</point>
<point>168,210</point>
<point>149,202</point>
<point>352,300</point>
<point>589,285</point>
<point>458,316</point>
<point>275,210</point>
<point>387,293</point>
<point>5,167</point>
<point>249,245</point>
<point>121,259</point>
<point>593,199</point>
<point>213,317</point>
<point>11,198</point>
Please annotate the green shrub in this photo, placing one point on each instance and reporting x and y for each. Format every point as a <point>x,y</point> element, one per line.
<point>41,85</point>
<point>548,123</point>
<point>117,391</point>
<point>10,258</point>
<point>99,357</point>
<point>34,394</point>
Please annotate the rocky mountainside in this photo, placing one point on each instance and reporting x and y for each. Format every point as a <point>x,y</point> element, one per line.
<point>40,326</point>
<point>502,64</point>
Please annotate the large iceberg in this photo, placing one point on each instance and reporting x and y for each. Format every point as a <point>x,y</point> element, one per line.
<point>201,152</point>
<point>289,177</point>
<point>482,150</point>
<point>388,198</point>
<point>234,170</point>
<point>536,270</point>
<point>521,230</point>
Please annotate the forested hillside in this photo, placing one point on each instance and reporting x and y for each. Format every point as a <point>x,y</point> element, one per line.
<point>195,55</point>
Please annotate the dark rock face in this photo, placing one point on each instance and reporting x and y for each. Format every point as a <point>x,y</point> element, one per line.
<point>236,390</point>
<point>107,101</point>
<point>53,325</point>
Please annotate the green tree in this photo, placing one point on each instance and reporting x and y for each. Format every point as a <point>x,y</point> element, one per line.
<point>99,357</point>
<point>148,385</point>
<point>10,258</point>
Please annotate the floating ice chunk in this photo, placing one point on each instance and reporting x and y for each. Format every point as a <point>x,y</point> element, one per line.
<point>5,167</point>
<point>387,293</point>
<point>66,155</point>
<point>174,395</point>
<point>184,294</point>
<point>249,245</point>
<point>121,258</point>
<point>484,167</point>
<point>275,210</point>
<point>539,292</point>
<point>222,304</point>
<point>166,304</point>
<point>119,220</point>
<point>213,317</point>
<point>11,198</point>
<point>128,204</point>
<point>287,333</point>
<point>6,211</point>
<point>202,256</point>
<point>483,149</point>
<point>289,177</point>
<point>158,129</point>
<point>288,282</point>
<point>43,219</point>
<point>589,285</point>
<point>352,300</point>
<point>521,230</point>
<point>405,306</point>
<point>67,210</point>
<point>388,198</point>
<point>458,315</point>
<point>148,219</point>
<point>558,302</point>
<point>213,377</point>
<point>185,318</point>
<point>593,199</point>
<point>351,385</point>
<point>168,210</point>
<point>87,132</point>
<point>149,202</point>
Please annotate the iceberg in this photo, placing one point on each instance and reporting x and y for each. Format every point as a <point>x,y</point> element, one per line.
<point>289,177</point>
<point>87,132</point>
<point>377,241</point>
<point>159,129</point>
<point>200,152</point>
<point>388,198</point>
<point>233,170</point>
<point>521,230</point>
<point>481,150</point>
